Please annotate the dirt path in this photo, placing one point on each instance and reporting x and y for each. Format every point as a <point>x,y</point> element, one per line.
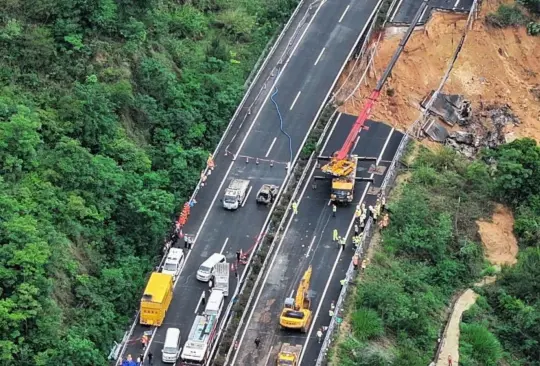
<point>451,340</point>
<point>500,248</point>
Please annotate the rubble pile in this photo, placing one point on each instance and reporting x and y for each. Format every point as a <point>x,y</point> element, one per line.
<point>485,128</point>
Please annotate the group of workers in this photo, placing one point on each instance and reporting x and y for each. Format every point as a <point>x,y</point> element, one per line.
<point>361,216</point>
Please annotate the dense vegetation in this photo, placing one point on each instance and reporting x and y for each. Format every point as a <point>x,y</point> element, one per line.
<point>428,251</point>
<point>522,12</point>
<point>508,312</point>
<point>108,109</point>
<point>431,250</point>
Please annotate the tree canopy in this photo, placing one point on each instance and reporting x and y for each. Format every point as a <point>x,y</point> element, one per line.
<point>108,109</point>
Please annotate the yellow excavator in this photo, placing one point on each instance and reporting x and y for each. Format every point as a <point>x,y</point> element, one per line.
<point>296,313</point>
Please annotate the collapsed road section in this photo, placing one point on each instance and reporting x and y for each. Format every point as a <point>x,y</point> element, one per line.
<point>262,143</point>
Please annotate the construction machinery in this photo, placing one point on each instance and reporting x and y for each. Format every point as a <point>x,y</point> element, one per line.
<point>296,313</point>
<point>289,355</point>
<point>344,177</point>
<point>342,166</point>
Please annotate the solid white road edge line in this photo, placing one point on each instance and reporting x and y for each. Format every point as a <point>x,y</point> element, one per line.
<point>339,254</point>
<point>276,251</point>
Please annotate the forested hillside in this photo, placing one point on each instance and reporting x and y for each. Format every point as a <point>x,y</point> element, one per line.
<point>431,250</point>
<point>108,109</point>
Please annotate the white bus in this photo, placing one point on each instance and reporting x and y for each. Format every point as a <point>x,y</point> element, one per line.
<point>199,343</point>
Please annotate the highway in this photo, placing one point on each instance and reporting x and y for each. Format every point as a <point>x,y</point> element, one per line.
<point>318,55</point>
<point>406,9</point>
<point>308,241</point>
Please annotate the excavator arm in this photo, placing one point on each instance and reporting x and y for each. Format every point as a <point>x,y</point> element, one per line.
<point>303,288</point>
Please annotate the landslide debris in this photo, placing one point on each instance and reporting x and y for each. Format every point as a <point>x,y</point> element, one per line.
<point>497,72</point>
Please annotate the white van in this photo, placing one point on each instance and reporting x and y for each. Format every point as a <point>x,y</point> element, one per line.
<point>171,347</point>
<point>205,270</point>
<point>173,262</point>
<point>214,305</point>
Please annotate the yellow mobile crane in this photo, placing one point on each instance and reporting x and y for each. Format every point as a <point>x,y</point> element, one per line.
<point>343,174</point>
<point>342,166</point>
<point>296,313</point>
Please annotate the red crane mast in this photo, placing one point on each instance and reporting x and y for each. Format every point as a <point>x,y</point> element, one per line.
<point>373,98</point>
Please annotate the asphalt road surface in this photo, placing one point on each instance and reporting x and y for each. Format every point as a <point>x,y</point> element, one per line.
<point>308,241</point>
<point>325,43</point>
<point>406,9</point>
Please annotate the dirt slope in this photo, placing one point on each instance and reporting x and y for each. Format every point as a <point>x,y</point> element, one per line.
<point>500,245</point>
<point>494,66</point>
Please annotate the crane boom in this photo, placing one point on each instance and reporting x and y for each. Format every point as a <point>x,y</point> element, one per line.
<point>372,99</point>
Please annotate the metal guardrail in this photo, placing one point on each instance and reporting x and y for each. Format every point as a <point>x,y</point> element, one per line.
<point>385,187</point>
<point>279,232</point>
<point>121,347</point>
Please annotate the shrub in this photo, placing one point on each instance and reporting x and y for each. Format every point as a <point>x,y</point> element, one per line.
<point>478,346</point>
<point>367,324</point>
<point>506,16</point>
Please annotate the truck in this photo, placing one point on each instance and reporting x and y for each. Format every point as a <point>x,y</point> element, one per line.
<point>197,348</point>
<point>220,278</point>
<point>235,193</point>
<point>156,299</point>
<point>289,355</point>
<point>343,180</point>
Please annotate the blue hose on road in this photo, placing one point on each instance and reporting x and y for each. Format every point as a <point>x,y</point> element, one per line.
<point>281,124</point>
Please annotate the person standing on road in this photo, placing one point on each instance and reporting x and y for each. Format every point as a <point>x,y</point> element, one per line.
<point>334,209</point>
<point>358,211</point>
<point>335,235</point>
<point>257,342</point>
<point>295,207</point>
<point>144,341</point>
<point>319,335</point>
<point>203,298</point>
<point>356,229</point>
<point>342,242</point>
<point>150,359</point>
